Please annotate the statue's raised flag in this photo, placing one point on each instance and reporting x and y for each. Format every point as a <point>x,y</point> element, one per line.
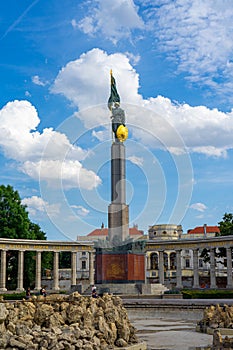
<point>114,96</point>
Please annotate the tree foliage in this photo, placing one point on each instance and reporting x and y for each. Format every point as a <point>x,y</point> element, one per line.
<point>15,224</point>
<point>226,229</point>
<point>14,221</point>
<point>65,260</point>
<point>226,225</point>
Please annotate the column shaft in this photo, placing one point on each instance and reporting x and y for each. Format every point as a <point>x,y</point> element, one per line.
<point>38,271</point>
<point>55,271</point>
<point>195,269</point>
<point>229,268</point>
<point>168,261</point>
<point>20,271</point>
<point>3,271</point>
<point>161,267</point>
<point>212,269</point>
<point>118,211</point>
<point>73,268</point>
<point>118,173</point>
<point>146,266</point>
<point>91,268</point>
<point>178,270</point>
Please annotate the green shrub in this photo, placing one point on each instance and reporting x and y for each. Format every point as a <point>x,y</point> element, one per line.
<point>172,291</point>
<point>13,296</point>
<point>207,294</point>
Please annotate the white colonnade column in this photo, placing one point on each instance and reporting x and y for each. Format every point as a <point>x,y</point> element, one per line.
<point>73,268</point>
<point>212,269</point>
<point>229,267</point>
<point>38,270</point>
<point>161,267</point>
<point>91,268</point>
<point>55,271</point>
<point>178,270</point>
<point>20,271</point>
<point>195,269</point>
<point>3,271</point>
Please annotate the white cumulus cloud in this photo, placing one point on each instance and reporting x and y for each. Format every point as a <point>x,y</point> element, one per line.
<point>47,156</point>
<point>197,36</point>
<point>80,210</point>
<point>156,121</point>
<point>115,20</point>
<point>37,80</point>
<point>36,207</point>
<point>198,206</point>
<point>136,160</point>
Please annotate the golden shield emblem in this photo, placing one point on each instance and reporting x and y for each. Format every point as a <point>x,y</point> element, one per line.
<point>122,133</point>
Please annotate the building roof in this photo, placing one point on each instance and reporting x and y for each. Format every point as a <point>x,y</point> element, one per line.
<point>201,230</point>
<point>133,231</point>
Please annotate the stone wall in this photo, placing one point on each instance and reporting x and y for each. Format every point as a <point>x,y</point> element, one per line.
<point>65,322</point>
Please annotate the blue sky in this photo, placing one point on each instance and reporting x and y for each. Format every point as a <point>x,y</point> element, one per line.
<point>172,61</point>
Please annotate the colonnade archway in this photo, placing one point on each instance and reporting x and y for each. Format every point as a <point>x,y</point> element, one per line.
<point>164,260</point>
<point>22,246</point>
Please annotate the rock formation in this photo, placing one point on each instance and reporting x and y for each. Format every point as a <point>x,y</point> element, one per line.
<point>65,322</point>
<point>217,317</point>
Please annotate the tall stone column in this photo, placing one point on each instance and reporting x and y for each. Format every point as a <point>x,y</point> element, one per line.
<point>168,261</point>
<point>145,263</point>
<point>3,271</point>
<point>20,271</point>
<point>73,268</point>
<point>118,211</point>
<point>38,271</point>
<point>161,267</point>
<point>195,269</point>
<point>91,268</point>
<point>55,271</point>
<point>229,268</point>
<point>212,269</point>
<point>178,270</point>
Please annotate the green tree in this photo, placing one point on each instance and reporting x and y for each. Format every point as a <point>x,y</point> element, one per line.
<point>226,225</point>
<point>15,224</point>
<point>226,229</point>
<point>14,221</point>
<point>65,260</point>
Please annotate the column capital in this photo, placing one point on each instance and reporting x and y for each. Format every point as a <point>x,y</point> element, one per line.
<point>195,249</point>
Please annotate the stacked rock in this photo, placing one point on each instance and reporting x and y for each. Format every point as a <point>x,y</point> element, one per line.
<point>215,318</point>
<point>65,322</point>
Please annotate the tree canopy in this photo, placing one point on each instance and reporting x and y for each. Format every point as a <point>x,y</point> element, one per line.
<point>14,220</point>
<point>226,225</point>
<point>226,229</point>
<point>15,224</point>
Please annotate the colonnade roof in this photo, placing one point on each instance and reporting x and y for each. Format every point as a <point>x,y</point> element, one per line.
<point>192,243</point>
<point>44,245</point>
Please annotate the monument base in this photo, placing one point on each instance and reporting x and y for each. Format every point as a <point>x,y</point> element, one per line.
<point>118,213</point>
<point>122,264</point>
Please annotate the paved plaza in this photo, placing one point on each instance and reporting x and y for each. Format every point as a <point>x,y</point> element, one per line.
<point>170,334</point>
<point>173,327</point>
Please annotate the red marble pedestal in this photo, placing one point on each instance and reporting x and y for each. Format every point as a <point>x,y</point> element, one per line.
<point>116,266</point>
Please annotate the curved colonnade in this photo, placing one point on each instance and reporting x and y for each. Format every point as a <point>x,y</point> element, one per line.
<point>41,246</point>
<point>196,245</point>
<point>173,247</point>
